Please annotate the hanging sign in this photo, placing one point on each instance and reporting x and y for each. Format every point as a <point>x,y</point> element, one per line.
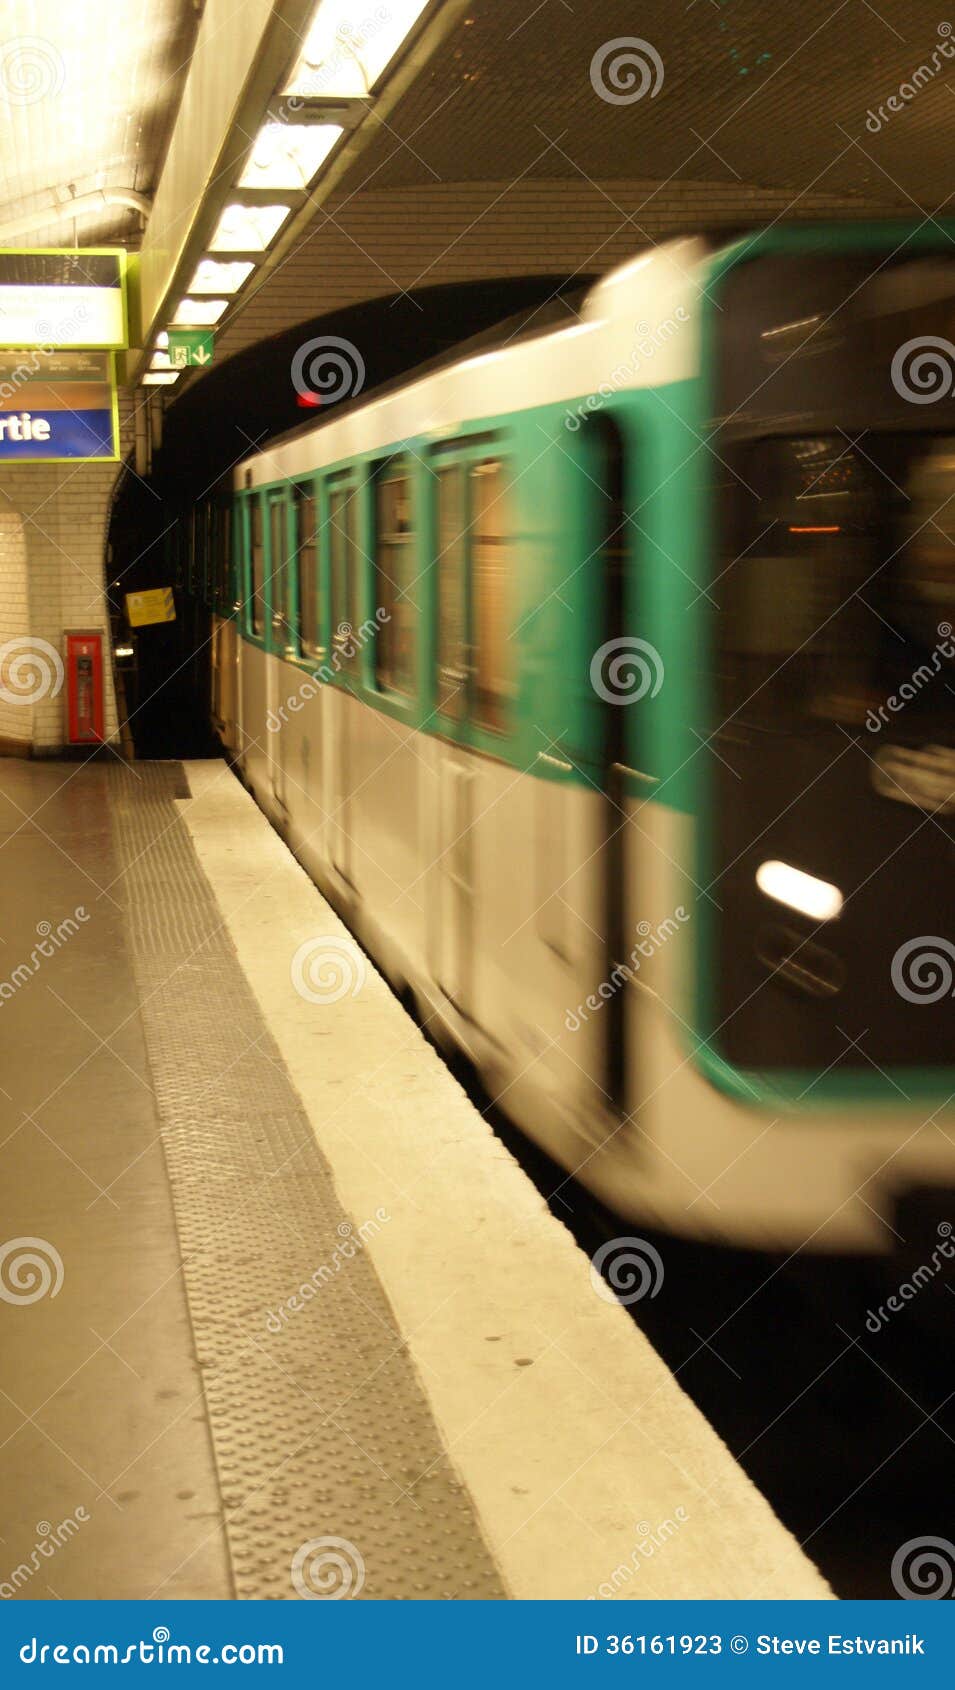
<point>156,604</point>
<point>191,346</point>
<point>57,405</point>
<point>63,299</point>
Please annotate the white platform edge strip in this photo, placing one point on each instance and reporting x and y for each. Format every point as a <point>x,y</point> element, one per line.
<point>591,1470</point>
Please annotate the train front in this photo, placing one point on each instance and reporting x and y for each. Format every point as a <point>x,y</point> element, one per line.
<point>817,989</point>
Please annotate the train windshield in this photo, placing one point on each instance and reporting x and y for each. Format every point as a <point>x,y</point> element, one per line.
<point>832,608</point>
<point>838,591</point>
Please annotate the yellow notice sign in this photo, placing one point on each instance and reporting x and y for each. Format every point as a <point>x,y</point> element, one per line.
<point>157,605</point>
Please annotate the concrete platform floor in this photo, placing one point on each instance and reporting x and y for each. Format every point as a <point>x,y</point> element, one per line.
<point>188,1143</point>
<point>105,1452</point>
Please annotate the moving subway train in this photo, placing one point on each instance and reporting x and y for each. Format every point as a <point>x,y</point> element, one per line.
<point>605,681</point>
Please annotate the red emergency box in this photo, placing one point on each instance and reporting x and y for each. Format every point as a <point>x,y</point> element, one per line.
<point>84,687</point>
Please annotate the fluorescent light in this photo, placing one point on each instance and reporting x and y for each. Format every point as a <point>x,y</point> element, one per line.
<point>247,228</point>
<point>802,892</point>
<point>160,378</point>
<point>162,339</point>
<point>215,276</point>
<point>197,312</point>
<point>123,651</point>
<point>288,155</point>
<point>160,361</point>
<point>346,50</point>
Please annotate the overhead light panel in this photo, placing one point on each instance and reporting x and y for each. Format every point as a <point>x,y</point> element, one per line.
<point>162,339</point>
<point>346,49</point>
<point>160,378</point>
<point>160,360</point>
<point>213,275</point>
<point>196,313</point>
<point>288,155</point>
<point>247,228</point>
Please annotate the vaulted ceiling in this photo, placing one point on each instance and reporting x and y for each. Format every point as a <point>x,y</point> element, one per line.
<point>88,93</point>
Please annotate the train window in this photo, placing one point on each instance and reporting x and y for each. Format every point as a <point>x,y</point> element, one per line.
<point>223,532</point>
<point>309,619</point>
<point>207,577</point>
<point>258,567</point>
<point>489,597</point>
<point>394,577</point>
<point>191,525</point>
<point>451,578</point>
<point>344,554</point>
<point>278,571</point>
<point>838,579</point>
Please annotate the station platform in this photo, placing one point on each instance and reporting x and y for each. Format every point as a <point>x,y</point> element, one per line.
<point>281,1317</point>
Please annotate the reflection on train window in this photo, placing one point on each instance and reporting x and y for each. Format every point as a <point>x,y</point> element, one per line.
<point>452,623</point>
<point>308,604</point>
<point>838,575</point>
<point>191,527</point>
<point>208,532</point>
<point>258,567</point>
<point>278,570</point>
<point>344,555</point>
<point>223,557</point>
<point>489,594</point>
<point>199,536</point>
<point>394,578</point>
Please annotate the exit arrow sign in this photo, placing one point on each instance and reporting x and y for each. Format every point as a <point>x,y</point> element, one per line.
<point>188,347</point>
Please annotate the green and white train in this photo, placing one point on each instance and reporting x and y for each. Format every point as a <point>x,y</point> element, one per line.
<point>604,680</point>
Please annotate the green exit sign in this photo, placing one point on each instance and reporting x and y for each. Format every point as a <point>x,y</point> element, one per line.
<point>190,346</point>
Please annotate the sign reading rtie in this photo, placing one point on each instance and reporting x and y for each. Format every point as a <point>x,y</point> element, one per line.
<point>190,346</point>
<point>57,405</point>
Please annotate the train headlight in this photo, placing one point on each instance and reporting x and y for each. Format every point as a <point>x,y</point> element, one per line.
<point>803,892</point>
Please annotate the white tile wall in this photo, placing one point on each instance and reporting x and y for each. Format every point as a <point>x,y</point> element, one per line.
<point>53,527</point>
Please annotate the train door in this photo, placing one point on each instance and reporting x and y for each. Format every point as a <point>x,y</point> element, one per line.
<point>278,574</point>
<point>224,630</point>
<point>344,561</point>
<point>469,660</point>
<point>603,447</point>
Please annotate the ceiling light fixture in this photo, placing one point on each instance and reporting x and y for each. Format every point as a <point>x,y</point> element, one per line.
<point>247,228</point>
<point>288,155</point>
<point>346,49</point>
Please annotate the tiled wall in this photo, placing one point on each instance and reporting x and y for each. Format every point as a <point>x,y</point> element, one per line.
<point>53,527</point>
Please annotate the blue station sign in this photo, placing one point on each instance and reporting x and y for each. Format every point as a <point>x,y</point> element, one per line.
<point>57,405</point>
